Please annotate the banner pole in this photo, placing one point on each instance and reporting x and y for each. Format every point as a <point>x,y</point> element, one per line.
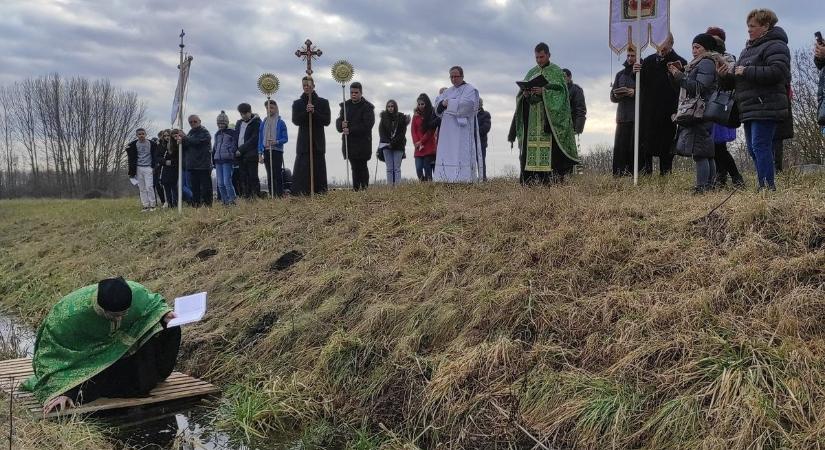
<point>637,95</point>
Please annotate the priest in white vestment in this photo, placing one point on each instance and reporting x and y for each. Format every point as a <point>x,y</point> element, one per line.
<point>458,158</point>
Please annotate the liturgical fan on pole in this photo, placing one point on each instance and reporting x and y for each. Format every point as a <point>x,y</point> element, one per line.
<point>268,84</point>
<point>342,72</point>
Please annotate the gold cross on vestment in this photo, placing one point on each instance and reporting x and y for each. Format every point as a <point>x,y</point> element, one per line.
<point>308,52</point>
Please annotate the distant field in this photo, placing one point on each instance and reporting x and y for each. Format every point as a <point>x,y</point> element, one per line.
<point>590,315</point>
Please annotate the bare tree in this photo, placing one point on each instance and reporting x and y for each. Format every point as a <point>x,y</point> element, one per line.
<point>76,128</point>
<point>808,145</point>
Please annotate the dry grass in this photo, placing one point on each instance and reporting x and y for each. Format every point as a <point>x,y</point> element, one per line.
<point>598,315</point>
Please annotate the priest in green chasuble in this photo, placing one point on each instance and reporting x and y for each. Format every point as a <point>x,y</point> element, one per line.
<point>108,339</point>
<point>543,125</point>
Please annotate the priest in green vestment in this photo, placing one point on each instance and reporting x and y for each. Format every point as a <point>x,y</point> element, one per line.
<point>104,340</point>
<point>543,125</point>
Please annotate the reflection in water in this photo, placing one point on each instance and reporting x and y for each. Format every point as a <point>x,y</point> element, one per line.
<point>16,341</point>
<point>185,426</point>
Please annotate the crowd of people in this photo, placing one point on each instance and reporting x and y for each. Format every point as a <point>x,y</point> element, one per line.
<point>449,133</point>
<point>677,97</point>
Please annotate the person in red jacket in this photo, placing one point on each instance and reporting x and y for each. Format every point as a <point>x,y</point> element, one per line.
<point>424,138</point>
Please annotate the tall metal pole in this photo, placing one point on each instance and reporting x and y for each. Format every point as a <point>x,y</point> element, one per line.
<point>346,137</point>
<point>180,128</point>
<point>637,94</point>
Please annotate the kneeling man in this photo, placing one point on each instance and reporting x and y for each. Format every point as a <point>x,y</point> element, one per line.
<point>104,340</point>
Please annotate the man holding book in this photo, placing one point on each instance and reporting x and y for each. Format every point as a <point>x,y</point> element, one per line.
<point>543,123</point>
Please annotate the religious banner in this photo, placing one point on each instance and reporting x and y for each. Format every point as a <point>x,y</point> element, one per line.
<point>655,24</point>
<point>180,91</point>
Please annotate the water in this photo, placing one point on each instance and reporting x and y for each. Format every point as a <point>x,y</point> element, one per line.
<point>185,425</point>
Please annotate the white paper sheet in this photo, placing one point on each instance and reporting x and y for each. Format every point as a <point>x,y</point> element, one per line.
<point>134,181</point>
<point>189,309</point>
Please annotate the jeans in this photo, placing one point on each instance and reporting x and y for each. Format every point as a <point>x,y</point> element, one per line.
<point>187,187</point>
<point>705,172</point>
<point>392,158</point>
<point>759,136</point>
<point>145,177</point>
<point>223,174</point>
<point>424,167</point>
<point>201,180</point>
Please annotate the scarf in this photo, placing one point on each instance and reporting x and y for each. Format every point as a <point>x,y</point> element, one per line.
<point>271,127</point>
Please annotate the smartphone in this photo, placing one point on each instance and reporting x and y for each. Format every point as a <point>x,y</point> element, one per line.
<point>677,64</point>
<point>819,39</point>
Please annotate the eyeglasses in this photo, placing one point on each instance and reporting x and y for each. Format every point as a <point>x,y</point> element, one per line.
<point>194,121</point>
<point>456,76</point>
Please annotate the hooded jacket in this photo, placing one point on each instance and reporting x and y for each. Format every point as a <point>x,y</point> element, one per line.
<point>761,92</point>
<point>393,130</point>
<point>820,96</point>
<point>249,149</point>
<point>361,121</point>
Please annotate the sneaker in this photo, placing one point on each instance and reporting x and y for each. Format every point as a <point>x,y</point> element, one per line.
<point>144,210</point>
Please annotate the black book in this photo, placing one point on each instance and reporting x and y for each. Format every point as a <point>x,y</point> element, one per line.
<point>538,81</point>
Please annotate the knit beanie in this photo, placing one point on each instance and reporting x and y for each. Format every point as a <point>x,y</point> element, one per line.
<point>114,295</point>
<point>223,118</point>
<point>718,32</point>
<point>705,40</point>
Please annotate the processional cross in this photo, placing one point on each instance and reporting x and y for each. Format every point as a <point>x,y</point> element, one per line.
<point>308,53</point>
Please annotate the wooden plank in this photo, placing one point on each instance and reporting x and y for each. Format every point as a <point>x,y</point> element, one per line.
<point>177,386</point>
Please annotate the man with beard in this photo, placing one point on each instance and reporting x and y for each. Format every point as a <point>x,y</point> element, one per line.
<point>310,108</point>
<point>659,100</point>
<point>543,125</point>
<point>358,130</point>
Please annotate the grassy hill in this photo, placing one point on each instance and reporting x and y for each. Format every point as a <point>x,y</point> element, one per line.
<point>590,315</point>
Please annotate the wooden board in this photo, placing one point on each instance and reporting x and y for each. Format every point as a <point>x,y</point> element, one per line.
<point>177,387</point>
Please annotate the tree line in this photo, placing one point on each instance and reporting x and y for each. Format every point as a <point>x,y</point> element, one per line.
<point>64,137</point>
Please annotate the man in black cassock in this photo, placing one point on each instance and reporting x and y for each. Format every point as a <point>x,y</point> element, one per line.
<point>318,108</point>
<point>659,99</point>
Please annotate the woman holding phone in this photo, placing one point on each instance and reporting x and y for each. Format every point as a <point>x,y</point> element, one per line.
<point>761,76</point>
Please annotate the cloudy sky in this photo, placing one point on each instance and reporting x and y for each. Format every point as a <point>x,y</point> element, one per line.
<point>399,48</point>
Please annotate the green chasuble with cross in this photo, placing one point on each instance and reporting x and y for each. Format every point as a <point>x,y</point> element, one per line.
<point>75,343</point>
<point>554,105</point>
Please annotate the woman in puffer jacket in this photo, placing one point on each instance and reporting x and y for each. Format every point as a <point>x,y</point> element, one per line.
<point>699,80</point>
<point>819,60</point>
<point>761,76</point>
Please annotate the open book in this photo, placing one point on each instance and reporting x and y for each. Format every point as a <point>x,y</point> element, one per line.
<point>189,309</point>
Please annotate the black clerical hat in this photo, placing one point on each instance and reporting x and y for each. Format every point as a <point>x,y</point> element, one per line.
<point>114,295</point>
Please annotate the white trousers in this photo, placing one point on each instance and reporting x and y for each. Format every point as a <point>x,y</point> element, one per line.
<point>146,186</point>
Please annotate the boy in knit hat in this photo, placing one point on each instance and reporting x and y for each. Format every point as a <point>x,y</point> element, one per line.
<point>223,155</point>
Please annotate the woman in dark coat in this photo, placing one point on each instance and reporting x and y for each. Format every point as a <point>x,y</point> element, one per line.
<point>696,140</point>
<point>392,131</point>
<point>761,77</point>
<point>321,118</point>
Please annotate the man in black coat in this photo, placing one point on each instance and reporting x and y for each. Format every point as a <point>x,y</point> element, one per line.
<point>358,130</point>
<point>485,123</point>
<point>247,155</point>
<point>659,100</point>
<point>578,106</point>
<point>197,158</point>
<point>310,105</point>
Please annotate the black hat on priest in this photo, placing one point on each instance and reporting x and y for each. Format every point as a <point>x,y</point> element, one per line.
<point>114,295</point>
